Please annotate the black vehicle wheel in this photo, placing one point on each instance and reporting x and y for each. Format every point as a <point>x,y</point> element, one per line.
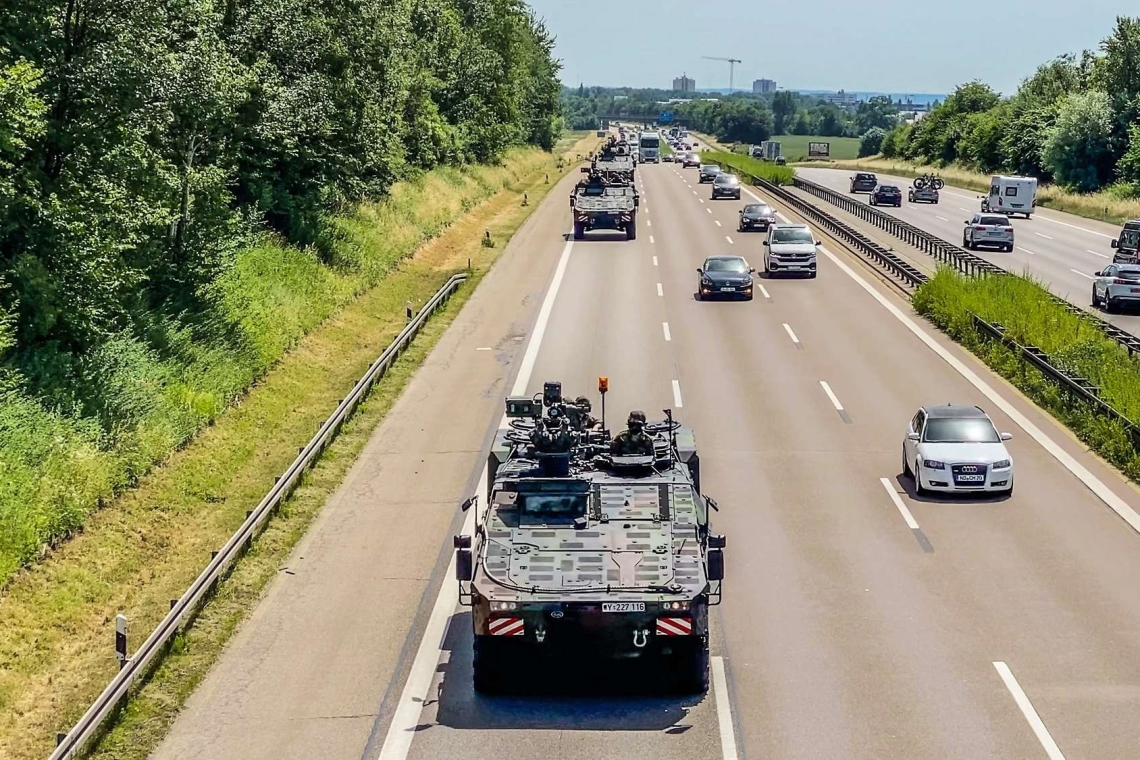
<point>579,231</point>
<point>631,231</point>
<point>1095,301</point>
<point>690,667</point>
<point>906,465</point>
<point>490,665</point>
<point>1109,304</point>
<point>919,489</point>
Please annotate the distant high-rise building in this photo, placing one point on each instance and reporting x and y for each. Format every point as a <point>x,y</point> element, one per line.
<point>763,86</point>
<point>684,84</point>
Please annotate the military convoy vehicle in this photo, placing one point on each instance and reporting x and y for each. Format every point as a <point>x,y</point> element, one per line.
<point>590,550</point>
<point>608,198</point>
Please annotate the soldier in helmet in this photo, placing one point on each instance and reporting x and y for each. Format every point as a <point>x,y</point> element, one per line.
<point>633,441</point>
<point>579,415</point>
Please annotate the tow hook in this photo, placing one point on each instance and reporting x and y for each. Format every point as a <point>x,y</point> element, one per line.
<point>539,635</point>
<point>639,643</point>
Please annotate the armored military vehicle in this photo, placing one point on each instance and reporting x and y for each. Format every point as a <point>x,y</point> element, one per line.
<point>605,201</point>
<point>585,554</point>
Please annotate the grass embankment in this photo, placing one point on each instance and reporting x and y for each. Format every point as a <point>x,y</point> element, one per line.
<point>779,175</point>
<point>57,467</point>
<point>795,147</point>
<point>1032,318</point>
<point>1105,206</point>
<point>146,547</point>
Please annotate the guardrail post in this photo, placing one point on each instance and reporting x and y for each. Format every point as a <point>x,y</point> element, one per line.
<point>408,304</point>
<point>59,737</point>
<point>121,639</point>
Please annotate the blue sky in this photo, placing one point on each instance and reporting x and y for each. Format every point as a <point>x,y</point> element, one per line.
<point>895,46</point>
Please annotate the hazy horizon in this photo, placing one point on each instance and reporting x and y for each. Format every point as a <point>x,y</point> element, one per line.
<point>649,49</point>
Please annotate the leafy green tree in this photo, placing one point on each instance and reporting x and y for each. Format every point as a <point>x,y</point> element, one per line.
<point>896,142</point>
<point>1078,150</point>
<point>872,141</point>
<point>878,111</point>
<point>784,107</point>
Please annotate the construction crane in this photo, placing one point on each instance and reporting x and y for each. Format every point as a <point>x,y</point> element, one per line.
<point>731,65</point>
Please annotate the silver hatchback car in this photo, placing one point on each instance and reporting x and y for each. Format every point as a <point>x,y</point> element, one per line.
<point>988,229</point>
<point>1117,285</point>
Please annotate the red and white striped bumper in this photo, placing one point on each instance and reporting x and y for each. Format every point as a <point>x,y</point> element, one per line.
<point>674,626</point>
<point>506,626</point>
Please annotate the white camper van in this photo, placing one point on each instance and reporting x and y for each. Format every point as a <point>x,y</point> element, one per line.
<point>1011,195</point>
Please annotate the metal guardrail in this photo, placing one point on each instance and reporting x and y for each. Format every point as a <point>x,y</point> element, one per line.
<point>137,666</point>
<point>1078,386</point>
<point>950,254</point>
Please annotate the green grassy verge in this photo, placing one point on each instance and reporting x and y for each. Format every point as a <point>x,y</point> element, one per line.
<point>795,147</point>
<point>1022,306</point>
<point>779,175</point>
<point>58,466</point>
<point>146,547</point>
<point>1104,206</point>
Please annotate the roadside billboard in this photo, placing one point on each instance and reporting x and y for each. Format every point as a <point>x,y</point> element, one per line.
<point>819,150</point>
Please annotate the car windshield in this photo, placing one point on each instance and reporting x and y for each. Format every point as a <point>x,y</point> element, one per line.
<point>999,221</point>
<point>726,265</point>
<point>727,179</point>
<point>864,176</point>
<point>1129,239</point>
<point>755,208</point>
<point>976,430</point>
<point>709,168</point>
<point>1128,274</point>
<point>889,189</point>
<point>792,235</point>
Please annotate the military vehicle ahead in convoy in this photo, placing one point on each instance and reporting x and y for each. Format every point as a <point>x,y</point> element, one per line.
<point>607,199</point>
<point>590,550</point>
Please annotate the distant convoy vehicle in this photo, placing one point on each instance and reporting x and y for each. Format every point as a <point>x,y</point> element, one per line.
<point>886,195</point>
<point>1126,247</point>
<point>790,248</point>
<point>956,448</point>
<point>722,276</point>
<point>925,189</point>
<point>756,216</point>
<point>607,199</point>
<point>591,550</point>
<point>1116,286</point>
<point>1011,195</point>
<point>708,173</point>
<point>864,182</point>
<point>988,230</point>
<point>726,186</point>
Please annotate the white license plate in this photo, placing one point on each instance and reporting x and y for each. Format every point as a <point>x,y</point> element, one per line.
<point>971,478</point>
<point>727,290</point>
<point>623,606</point>
<point>792,267</point>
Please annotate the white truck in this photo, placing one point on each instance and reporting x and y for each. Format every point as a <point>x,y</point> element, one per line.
<point>1011,195</point>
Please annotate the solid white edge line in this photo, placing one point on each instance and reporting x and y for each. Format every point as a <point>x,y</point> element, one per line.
<point>398,740</point>
<point>1082,274</point>
<point>1030,713</point>
<point>831,395</point>
<point>1092,482</point>
<point>910,521</point>
<point>665,329</point>
<point>677,394</point>
<point>660,292</point>
<point>723,710</point>
<point>791,334</point>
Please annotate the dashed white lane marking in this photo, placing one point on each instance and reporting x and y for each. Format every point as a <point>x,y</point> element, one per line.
<point>707,208</point>
<point>1082,274</point>
<point>968,211</point>
<point>1026,250</point>
<point>831,395</point>
<point>677,394</point>
<point>1042,234</point>
<point>702,200</point>
<point>660,292</point>
<point>942,218</point>
<point>763,291</point>
<point>665,329</point>
<point>792,335</point>
<point>654,261</point>
<point>483,348</point>
<point>1030,713</point>
<point>651,240</point>
<point>1072,226</point>
<point>717,222</point>
<point>649,222</point>
<point>1094,253</point>
<point>723,710</point>
<point>1067,460</point>
<point>401,731</point>
<point>726,237</point>
<point>910,521</point>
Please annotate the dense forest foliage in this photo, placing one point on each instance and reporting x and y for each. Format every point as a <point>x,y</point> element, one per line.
<point>1076,121</point>
<point>179,181</point>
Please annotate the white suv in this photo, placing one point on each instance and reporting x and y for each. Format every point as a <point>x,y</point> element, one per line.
<point>790,248</point>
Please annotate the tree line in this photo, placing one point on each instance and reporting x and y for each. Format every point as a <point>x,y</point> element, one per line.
<point>1075,121</point>
<point>143,142</point>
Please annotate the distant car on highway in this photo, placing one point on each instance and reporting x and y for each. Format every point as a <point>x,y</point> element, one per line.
<point>726,186</point>
<point>690,160</point>
<point>886,195</point>
<point>724,276</point>
<point>668,158</point>
<point>781,161</point>
<point>1126,248</point>
<point>864,182</point>
<point>1116,286</point>
<point>988,230</point>
<point>790,248</point>
<point>956,448</point>
<point>708,173</point>
<point>756,216</point>
<point>922,195</point>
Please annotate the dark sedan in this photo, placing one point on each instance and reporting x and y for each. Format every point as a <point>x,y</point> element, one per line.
<point>726,186</point>
<point>708,173</point>
<point>724,276</point>
<point>756,216</point>
<point>886,195</point>
<point>863,182</point>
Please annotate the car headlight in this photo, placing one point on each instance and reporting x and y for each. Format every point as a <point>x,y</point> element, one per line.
<point>933,464</point>
<point>1002,465</point>
<point>706,282</point>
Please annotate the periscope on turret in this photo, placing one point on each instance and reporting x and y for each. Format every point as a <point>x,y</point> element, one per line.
<point>588,545</point>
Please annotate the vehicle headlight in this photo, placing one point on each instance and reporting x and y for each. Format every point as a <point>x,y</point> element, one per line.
<point>933,464</point>
<point>706,281</point>
<point>1002,465</point>
<point>503,606</point>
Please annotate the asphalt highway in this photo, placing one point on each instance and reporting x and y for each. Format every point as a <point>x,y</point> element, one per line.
<point>859,621</point>
<point>1059,250</point>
